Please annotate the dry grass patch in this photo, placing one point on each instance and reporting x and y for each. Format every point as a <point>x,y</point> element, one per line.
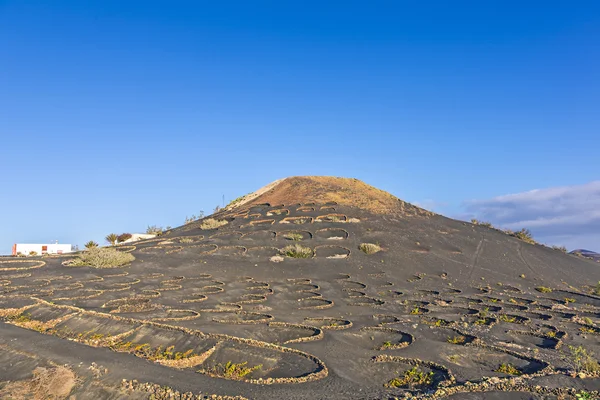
<point>211,223</point>
<point>103,257</point>
<point>47,383</point>
<point>369,248</point>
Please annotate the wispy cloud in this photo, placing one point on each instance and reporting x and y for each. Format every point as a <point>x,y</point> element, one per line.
<point>563,215</point>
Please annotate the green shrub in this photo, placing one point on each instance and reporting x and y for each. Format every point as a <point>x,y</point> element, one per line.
<point>234,370</point>
<point>412,378</point>
<point>103,257</point>
<point>583,361</point>
<point>369,248</point>
<point>33,253</point>
<point>297,251</point>
<point>459,339</point>
<point>211,223</point>
<point>508,369</point>
<point>543,289</point>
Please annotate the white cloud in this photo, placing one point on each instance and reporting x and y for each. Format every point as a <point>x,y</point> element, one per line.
<point>560,215</point>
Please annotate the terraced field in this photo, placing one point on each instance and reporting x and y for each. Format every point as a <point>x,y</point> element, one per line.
<point>307,300</point>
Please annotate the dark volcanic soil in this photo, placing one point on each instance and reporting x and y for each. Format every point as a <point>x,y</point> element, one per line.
<point>457,302</point>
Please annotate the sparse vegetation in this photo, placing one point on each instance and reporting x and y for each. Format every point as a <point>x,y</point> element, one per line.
<point>33,253</point>
<point>583,361</point>
<point>194,217</point>
<point>416,311</point>
<point>560,248</point>
<point>297,251</point>
<point>154,230</point>
<point>583,395</point>
<point>481,223</point>
<point>523,234</point>
<point>507,318</point>
<point>543,289</point>
<point>458,339</point>
<point>413,378</point>
<point>508,369</point>
<point>235,201</point>
<point>293,236</point>
<point>233,370</point>
<point>369,248</point>
<point>91,245</point>
<point>104,257</point>
<point>211,223</point>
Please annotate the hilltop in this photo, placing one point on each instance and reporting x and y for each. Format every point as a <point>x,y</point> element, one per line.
<point>309,288</point>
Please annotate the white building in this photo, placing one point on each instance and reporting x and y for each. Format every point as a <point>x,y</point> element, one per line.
<point>51,248</point>
<point>138,236</point>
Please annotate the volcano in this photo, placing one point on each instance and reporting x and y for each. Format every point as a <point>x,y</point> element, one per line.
<point>309,288</point>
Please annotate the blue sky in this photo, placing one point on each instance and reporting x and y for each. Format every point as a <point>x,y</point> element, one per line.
<point>119,114</point>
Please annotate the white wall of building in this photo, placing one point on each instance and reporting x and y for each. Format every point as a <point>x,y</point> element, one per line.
<point>139,236</point>
<point>41,248</point>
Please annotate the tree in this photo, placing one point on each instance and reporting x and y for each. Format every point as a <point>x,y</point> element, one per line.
<point>112,238</point>
<point>91,245</point>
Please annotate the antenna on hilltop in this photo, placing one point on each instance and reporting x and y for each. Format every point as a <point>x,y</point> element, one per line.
<point>223,200</point>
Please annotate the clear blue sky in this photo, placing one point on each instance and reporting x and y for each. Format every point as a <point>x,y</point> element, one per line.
<point>119,114</point>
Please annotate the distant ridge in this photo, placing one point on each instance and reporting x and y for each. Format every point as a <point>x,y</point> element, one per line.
<point>587,253</point>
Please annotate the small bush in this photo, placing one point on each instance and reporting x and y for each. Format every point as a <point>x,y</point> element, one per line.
<point>212,223</point>
<point>91,245</point>
<point>459,339</point>
<point>293,236</point>
<point>33,253</point>
<point>297,251</point>
<point>506,318</point>
<point>543,289</point>
<point>560,248</point>
<point>369,248</point>
<point>234,370</point>
<point>123,237</point>
<point>412,378</point>
<point>524,235</point>
<point>583,361</point>
<point>103,257</point>
<point>508,369</point>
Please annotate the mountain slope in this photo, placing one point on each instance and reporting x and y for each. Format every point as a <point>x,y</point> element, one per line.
<point>315,287</point>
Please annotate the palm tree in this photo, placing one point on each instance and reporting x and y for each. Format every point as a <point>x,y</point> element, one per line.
<point>91,245</point>
<point>112,238</point>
